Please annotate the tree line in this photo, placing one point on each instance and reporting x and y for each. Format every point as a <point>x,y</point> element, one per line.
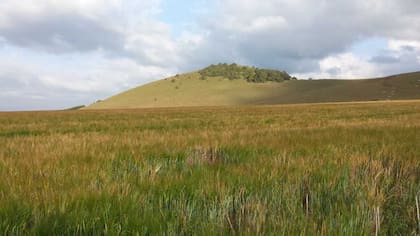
<point>250,74</point>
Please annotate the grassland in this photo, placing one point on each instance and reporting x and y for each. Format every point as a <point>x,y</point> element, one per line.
<point>320,169</point>
<point>192,90</point>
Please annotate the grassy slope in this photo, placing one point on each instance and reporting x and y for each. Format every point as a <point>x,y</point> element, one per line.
<point>320,169</point>
<point>189,90</point>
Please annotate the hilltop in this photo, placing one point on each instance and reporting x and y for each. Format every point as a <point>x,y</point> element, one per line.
<point>250,74</point>
<point>229,85</point>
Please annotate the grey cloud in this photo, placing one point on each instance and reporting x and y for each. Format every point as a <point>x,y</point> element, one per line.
<point>147,41</point>
<point>76,33</point>
<point>62,34</point>
<point>334,71</point>
<point>384,59</point>
<point>405,62</point>
<point>409,48</point>
<point>23,93</point>
<point>402,56</point>
<point>311,31</point>
<point>10,82</point>
<point>26,91</point>
<point>290,35</point>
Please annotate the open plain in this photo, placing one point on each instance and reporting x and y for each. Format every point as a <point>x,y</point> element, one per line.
<point>329,169</point>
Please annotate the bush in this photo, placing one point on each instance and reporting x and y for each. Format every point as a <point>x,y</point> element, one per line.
<point>250,74</point>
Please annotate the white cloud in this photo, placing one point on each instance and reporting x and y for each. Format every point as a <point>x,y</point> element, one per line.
<point>113,78</point>
<point>82,81</point>
<point>349,67</point>
<point>151,43</point>
<point>398,45</point>
<point>342,66</point>
<point>399,56</point>
<point>11,9</point>
<point>257,24</point>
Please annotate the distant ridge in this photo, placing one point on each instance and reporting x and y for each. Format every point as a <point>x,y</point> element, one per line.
<point>231,85</point>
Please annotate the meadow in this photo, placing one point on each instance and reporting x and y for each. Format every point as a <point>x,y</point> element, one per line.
<point>319,169</point>
<point>194,89</point>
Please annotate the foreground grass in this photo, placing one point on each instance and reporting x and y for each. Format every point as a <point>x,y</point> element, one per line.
<point>286,170</point>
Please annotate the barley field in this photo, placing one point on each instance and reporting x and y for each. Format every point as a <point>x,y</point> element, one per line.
<point>320,169</point>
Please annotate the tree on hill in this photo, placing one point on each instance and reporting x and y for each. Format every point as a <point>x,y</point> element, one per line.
<point>250,74</point>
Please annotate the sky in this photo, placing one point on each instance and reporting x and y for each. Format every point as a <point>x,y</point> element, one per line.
<point>56,54</point>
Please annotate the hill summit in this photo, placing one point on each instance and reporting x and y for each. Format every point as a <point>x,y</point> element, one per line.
<point>250,74</point>
<point>232,85</point>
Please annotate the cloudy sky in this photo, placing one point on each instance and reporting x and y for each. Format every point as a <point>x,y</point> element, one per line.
<point>56,54</point>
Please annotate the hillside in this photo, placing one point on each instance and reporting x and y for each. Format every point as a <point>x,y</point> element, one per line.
<point>225,85</point>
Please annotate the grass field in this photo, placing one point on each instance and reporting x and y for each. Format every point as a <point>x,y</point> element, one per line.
<point>190,90</point>
<point>320,169</point>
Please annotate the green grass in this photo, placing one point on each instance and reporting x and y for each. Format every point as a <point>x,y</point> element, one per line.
<point>279,170</point>
<point>189,90</point>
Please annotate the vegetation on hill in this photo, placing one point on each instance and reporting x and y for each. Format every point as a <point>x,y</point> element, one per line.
<point>190,90</point>
<point>250,74</point>
<point>348,169</point>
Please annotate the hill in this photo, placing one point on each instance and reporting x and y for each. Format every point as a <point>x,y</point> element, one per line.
<point>226,85</point>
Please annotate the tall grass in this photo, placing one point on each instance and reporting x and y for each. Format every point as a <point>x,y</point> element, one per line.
<point>284,170</point>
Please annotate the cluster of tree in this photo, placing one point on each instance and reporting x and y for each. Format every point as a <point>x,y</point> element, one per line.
<point>251,74</point>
